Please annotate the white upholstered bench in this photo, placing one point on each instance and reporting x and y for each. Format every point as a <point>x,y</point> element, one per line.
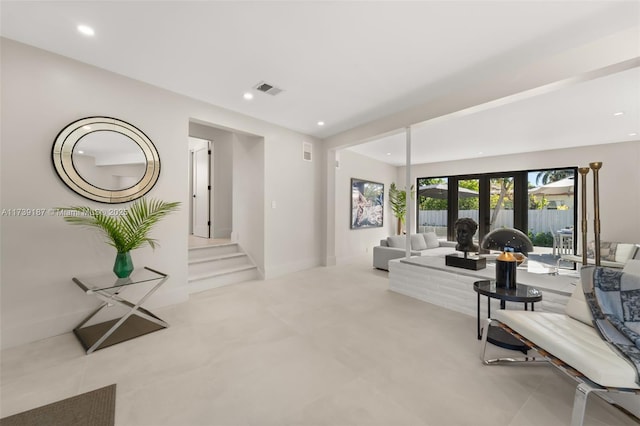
<point>572,344</point>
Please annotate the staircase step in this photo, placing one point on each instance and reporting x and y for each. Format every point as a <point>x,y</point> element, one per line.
<point>218,263</point>
<point>203,252</point>
<point>216,258</point>
<point>220,272</point>
<point>215,279</point>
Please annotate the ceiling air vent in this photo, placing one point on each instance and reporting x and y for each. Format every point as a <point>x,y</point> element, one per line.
<point>267,88</point>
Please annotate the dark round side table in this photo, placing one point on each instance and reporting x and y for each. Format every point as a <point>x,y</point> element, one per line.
<point>522,293</point>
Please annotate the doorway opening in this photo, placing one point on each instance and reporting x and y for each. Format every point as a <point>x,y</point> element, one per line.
<point>200,187</point>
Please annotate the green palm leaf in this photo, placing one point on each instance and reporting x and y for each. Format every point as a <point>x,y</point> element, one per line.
<point>128,231</point>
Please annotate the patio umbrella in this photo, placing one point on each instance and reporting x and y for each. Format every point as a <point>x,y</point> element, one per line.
<point>440,190</point>
<point>560,187</point>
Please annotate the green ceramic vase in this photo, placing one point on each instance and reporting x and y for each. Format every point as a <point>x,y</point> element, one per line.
<point>124,265</point>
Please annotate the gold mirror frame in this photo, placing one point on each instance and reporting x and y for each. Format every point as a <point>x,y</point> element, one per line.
<point>68,137</point>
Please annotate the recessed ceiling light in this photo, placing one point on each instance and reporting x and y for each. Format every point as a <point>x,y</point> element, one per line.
<point>248,96</point>
<point>618,113</point>
<point>388,153</point>
<point>86,30</point>
<point>320,123</point>
<point>633,134</point>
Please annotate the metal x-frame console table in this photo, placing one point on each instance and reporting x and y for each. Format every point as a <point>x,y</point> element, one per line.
<point>136,322</point>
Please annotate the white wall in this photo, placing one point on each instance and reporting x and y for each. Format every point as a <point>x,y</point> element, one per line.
<point>294,185</point>
<point>619,181</point>
<point>248,206</point>
<point>352,243</point>
<point>43,92</point>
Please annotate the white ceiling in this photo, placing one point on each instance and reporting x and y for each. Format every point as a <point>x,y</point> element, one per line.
<point>348,63</point>
<point>578,115</point>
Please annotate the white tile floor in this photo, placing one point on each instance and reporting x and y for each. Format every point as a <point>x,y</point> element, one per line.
<point>327,346</point>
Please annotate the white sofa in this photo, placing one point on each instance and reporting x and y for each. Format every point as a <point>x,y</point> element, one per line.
<point>572,344</point>
<point>618,259</point>
<point>423,244</point>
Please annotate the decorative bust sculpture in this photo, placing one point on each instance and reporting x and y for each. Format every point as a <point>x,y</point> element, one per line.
<point>465,228</point>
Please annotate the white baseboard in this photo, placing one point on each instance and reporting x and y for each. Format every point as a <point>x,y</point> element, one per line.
<point>289,268</point>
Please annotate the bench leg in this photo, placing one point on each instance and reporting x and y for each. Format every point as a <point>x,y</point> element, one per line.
<point>483,344</point>
<point>580,404</point>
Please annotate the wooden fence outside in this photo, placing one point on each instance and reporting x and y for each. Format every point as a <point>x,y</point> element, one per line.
<point>539,220</point>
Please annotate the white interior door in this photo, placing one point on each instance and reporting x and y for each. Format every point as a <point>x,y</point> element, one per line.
<point>201,190</point>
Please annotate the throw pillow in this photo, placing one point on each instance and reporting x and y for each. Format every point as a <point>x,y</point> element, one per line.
<point>607,250</point>
<point>431,239</point>
<point>397,241</point>
<point>591,249</point>
<point>417,242</point>
<point>577,307</point>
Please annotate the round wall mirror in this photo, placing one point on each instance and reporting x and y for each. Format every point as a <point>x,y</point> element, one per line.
<point>105,159</point>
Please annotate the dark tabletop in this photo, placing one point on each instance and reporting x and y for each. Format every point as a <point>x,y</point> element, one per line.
<point>522,292</point>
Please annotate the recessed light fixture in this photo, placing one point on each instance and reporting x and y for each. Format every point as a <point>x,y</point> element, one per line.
<point>633,134</point>
<point>86,30</point>
<point>320,123</point>
<point>248,96</point>
<point>619,113</point>
<point>388,153</point>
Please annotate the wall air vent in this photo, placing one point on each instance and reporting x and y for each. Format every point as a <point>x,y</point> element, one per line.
<point>306,151</point>
<point>267,88</point>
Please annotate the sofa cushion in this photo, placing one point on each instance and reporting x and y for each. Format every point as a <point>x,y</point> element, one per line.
<point>624,252</point>
<point>632,267</point>
<point>431,239</point>
<point>418,242</point>
<point>397,241</point>
<point>573,342</point>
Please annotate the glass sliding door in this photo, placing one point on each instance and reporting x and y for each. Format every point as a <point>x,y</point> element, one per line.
<point>433,205</point>
<point>501,202</point>
<point>552,210</point>
<point>469,201</point>
<point>539,203</point>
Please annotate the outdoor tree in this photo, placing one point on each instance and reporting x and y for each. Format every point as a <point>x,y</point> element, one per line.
<point>547,176</point>
<point>503,198</point>
<point>470,203</point>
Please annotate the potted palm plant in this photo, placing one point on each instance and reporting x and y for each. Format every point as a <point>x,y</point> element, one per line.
<point>125,232</point>
<point>398,201</point>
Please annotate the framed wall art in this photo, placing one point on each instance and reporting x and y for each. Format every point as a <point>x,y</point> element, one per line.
<point>367,204</point>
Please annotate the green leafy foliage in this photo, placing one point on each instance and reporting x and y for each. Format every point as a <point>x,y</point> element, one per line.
<point>398,201</point>
<point>127,231</point>
<point>541,239</point>
<point>547,176</point>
